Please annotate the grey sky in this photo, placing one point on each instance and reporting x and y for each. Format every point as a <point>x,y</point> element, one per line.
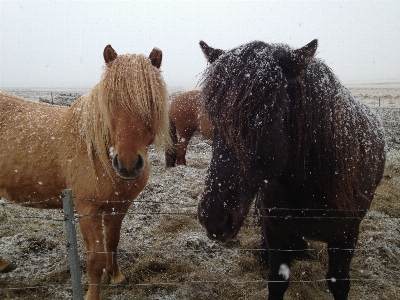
<point>60,43</point>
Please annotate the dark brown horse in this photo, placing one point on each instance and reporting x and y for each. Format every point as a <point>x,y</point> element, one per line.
<point>186,117</point>
<point>292,134</point>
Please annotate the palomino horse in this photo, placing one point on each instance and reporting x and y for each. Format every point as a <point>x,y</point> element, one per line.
<point>98,147</point>
<point>294,135</point>
<point>186,117</point>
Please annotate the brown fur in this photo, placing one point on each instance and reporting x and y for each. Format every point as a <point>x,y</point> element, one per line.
<point>48,148</point>
<point>187,115</point>
<point>6,266</point>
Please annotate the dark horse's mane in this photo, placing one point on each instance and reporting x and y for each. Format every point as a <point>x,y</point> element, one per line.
<point>246,89</point>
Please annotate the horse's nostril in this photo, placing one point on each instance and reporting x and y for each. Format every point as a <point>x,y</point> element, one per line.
<point>115,162</point>
<point>228,221</point>
<point>140,163</point>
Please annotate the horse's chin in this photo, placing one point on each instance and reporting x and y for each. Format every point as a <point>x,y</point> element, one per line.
<point>134,176</point>
<point>222,237</point>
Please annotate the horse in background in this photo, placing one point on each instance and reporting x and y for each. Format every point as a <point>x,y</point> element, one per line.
<point>187,116</point>
<point>291,133</point>
<point>98,147</point>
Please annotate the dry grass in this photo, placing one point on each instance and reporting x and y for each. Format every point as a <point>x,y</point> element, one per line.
<point>388,195</point>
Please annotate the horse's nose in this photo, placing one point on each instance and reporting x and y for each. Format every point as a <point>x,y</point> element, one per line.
<point>128,171</point>
<point>218,223</point>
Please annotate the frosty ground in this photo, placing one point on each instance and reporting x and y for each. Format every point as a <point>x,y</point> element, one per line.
<point>165,253</point>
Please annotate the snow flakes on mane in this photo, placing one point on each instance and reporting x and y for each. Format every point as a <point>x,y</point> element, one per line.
<point>243,85</point>
<point>330,132</point>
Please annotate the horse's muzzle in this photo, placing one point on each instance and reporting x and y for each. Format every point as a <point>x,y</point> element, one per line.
<point>132,171</point>
<point>219,228</point>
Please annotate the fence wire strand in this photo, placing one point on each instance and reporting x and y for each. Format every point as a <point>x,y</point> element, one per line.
<point>235,250</point>
<point>196,282</point>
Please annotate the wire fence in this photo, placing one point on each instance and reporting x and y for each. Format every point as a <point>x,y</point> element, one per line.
<point>373,214</point>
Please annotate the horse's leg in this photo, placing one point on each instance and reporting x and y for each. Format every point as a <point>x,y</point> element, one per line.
<point>338,276</point>
<point>264,257</point>
<point>182,144</point>
<point>299,247</point>
<point>170,154</point>
<point>112,228</point>
<point>272,192</point>
<point>279,264</point>
<point>92,233</point>
<point>6,266</point>
<point>263,254</point>
<point>340,256</point>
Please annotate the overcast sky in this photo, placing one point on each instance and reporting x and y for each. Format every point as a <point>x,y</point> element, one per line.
<point>59,44</point>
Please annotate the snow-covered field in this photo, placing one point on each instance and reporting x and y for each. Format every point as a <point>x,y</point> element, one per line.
<point>165,253</point>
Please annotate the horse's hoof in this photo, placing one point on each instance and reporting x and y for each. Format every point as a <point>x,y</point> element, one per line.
<point>9,268</point>
<point>119,280</point>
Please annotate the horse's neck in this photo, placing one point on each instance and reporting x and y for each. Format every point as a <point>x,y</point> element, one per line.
<point>79,109</point>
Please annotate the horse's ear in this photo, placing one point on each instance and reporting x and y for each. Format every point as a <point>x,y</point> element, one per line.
<point>211,54</point>
<point>294,63</point>
<point>109,54</point>
<point>156,57</point>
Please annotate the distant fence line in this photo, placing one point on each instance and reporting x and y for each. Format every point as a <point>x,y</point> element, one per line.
<point>70,219</point>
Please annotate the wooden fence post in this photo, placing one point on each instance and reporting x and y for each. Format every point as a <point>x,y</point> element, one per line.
<point>72,244</point>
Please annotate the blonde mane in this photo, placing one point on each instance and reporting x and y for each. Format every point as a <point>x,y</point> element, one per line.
<point>130,82</point>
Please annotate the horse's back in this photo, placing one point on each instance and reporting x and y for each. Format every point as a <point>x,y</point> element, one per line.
<point>357,134</point>
<point>186,110</point>
<point>23,120</point>
<point>13,106</point>
<point>371,138</point>
<point>186,104</point>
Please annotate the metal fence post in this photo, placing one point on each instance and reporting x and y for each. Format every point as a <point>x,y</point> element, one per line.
<point>72,244</point>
